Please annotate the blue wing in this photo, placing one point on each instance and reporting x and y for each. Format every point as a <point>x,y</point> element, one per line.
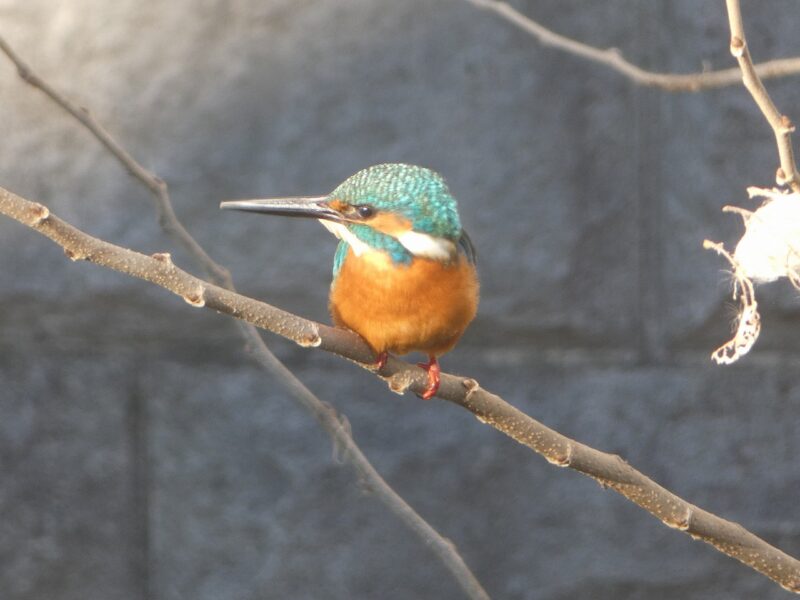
<point>338,258</point>
<point>465,245</point>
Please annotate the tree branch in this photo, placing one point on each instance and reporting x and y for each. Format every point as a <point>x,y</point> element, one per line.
<point>613,59</point>
<point>155,184</point>
<point>324,413</point>
<point>781,125</point>
<point>607,469</point>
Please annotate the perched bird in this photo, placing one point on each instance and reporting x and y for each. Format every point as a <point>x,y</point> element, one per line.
<point>404,273</point>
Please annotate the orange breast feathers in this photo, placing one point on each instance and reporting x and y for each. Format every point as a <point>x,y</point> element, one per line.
<point>425,306</point>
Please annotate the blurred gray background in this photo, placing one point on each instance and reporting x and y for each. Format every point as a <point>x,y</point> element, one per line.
<point>144,455</point>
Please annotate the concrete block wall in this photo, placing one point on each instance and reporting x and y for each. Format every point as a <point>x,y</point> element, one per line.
<point>144,455</point>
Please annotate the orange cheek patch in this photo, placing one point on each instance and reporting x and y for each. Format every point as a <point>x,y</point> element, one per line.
<point>389,223</point>
<point>337,205</point>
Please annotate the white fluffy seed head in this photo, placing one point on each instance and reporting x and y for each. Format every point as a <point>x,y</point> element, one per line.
<point>770,246</point>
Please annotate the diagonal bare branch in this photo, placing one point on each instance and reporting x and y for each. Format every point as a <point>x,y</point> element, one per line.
<point>781,125</point>
<point>324,413</point>
<point>166,215</point>
<point>613,58</point>
<point>609,470</point>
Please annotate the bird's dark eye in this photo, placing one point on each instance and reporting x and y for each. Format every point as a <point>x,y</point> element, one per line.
<point>365,211</point>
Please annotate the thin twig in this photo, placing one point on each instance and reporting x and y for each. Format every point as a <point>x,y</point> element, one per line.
<point>781,124</point>
<point>325,414</point>
<point>609,470</point>
<point>348,450</point>
<point>613,59</point>
<point>155,184</point>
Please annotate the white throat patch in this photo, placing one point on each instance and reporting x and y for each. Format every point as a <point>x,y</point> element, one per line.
<point>343,233</point>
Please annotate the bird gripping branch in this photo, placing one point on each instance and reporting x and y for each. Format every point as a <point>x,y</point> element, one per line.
<point>404,274</point>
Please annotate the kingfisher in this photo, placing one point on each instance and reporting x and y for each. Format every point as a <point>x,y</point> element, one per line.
<point>404,275</point>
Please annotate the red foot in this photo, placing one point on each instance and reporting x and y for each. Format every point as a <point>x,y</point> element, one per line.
<point>434,370</point>
<point>380,362</point>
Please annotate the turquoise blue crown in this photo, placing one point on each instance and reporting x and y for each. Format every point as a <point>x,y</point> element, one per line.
<point>414,193</point>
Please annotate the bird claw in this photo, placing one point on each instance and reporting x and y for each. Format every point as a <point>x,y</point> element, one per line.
<point>434,371</point>
<point>380,361</point>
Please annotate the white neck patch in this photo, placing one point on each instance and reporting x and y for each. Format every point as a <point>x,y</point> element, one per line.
<point>419,244</point>
<point>427,246</point>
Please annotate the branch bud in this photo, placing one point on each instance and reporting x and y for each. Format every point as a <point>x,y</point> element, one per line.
<point>400,382</point>
<point>786,125</point>
<point>310,340</point>
<point>162,257</point>
<point>737,46</point>
<point>681,523</point>
<point>74,255</point>
<point>197,298</point>
<point>560,459</point>
<point>39,213</point>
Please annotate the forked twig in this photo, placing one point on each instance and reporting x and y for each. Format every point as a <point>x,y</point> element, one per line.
<point>781,125</point>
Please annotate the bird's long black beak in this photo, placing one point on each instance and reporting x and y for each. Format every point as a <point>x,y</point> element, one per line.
<point>316,207</point>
